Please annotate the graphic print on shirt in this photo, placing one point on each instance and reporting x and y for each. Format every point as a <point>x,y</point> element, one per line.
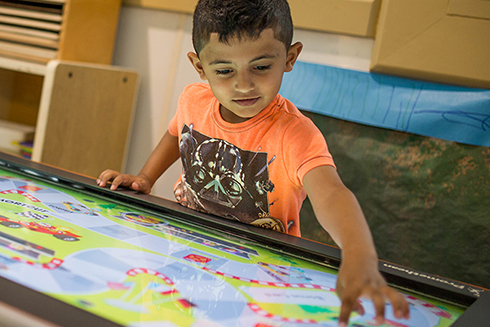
<point>224,180</point>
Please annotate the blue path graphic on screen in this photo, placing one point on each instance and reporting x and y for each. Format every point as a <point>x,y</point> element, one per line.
<point>448,112</point>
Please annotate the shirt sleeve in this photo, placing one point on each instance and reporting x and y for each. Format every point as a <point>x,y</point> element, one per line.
<point>305,148</point>
<point>189,100</point>
<point>173,125</point>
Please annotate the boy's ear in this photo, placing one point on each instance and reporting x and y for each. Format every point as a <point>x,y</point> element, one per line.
<point>293,55</point>
<point>196,63</point>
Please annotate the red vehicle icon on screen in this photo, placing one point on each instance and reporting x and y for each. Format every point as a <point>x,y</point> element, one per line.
<point>61,233</point>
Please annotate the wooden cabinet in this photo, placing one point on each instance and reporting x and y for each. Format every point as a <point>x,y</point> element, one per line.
<point>55,75</point>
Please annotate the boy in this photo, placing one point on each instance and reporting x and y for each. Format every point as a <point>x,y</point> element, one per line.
<point>249,154</point>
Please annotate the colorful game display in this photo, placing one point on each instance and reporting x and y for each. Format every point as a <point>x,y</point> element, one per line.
<point>137,269</point>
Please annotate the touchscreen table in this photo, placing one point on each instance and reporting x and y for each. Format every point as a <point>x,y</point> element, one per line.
<point>135,267</point>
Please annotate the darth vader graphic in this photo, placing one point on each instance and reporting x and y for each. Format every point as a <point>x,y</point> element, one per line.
<point>221,179</point>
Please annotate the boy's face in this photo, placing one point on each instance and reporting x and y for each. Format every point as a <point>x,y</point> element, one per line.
<point>245,75</point>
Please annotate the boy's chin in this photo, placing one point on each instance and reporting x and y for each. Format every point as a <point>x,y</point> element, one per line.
<point>239,115</point>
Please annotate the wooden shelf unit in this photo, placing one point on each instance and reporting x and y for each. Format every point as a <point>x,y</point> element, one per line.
<point>42,30</point>
<point>38,40</point>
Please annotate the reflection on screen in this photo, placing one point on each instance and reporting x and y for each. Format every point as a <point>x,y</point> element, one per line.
<point>141,270</point>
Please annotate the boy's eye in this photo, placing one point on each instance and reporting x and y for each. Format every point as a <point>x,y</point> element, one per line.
<point>223,71</point>
<point>263,67</point>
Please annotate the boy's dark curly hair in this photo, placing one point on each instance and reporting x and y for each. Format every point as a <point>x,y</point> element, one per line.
<point>241,18</point>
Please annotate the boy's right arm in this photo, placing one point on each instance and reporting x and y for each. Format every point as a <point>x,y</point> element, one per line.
<point>164,155</point>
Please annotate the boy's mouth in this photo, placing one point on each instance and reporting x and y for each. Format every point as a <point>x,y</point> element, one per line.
<point>246,102</point>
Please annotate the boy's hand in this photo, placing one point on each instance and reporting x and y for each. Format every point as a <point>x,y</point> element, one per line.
<point>339,213</point>
<point>138,183</point>
<point>354,281</point>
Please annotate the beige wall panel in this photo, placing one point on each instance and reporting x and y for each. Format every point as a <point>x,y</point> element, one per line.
<point>470,8</point>
<point>422,40</point>
<point>355,17</point>
<point>185,6</point>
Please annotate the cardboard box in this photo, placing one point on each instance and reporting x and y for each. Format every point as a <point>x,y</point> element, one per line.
<point>445,41</point>
<point>355,17</point>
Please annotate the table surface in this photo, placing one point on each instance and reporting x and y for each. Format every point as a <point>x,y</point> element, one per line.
<point>108,258</point>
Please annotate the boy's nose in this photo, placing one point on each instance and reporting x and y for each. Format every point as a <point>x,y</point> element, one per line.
<point>244,82</point>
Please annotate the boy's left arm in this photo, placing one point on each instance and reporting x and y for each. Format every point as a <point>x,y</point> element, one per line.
<point>339,213</point>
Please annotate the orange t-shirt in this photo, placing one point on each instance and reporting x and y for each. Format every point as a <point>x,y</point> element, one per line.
<point>250,171</point>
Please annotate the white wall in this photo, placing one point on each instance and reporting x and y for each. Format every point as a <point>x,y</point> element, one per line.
<point>155,43</point>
